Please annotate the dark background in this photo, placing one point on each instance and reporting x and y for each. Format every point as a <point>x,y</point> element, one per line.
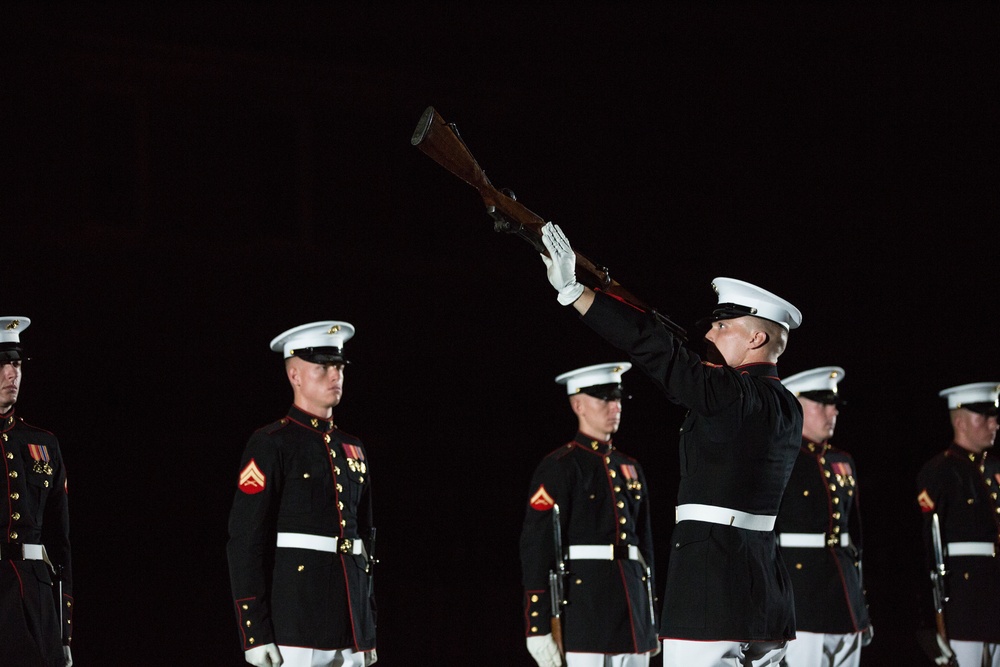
<point>183,183</point>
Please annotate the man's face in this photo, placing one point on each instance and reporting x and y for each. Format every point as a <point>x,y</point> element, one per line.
<point>10,384</point>
<point>979,430</point>
<point>318,387</point>
<point>600,418</point>
<point>818,420</point>
<point>728,340</point>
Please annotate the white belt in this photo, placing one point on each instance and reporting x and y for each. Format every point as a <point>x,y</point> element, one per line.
<point>27,552</point>
<point>809,540</point>
<point>725,516</point>
<point>972,549</point>
<point>321,543</point>
<point>600,552</point>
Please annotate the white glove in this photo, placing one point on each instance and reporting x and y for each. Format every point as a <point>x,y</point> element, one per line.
<point>371,657</point>
<point>946,653</point>
<point>867,635</point>
<point>560,265</point>
<point>67,657</point>
<point>266,655</point>
<point>544,650</point>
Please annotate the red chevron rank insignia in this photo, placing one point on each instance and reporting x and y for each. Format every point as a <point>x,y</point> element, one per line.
<point>541,500</point>
<point>252,480</point>
<point>925,501</point>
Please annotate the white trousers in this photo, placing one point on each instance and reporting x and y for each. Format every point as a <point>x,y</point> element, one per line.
<point>814,649</point>
<point>604,660</point>
<point>296,656</point>
<point>974,654</point>
<point>687,653</point>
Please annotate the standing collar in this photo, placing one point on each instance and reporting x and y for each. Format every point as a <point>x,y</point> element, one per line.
<point>300,416</point>
<point>593,444</point>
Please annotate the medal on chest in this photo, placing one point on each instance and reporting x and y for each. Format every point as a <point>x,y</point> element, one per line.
<point>40,454</point>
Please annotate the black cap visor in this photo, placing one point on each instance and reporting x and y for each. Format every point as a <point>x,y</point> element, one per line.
<point>321,355</point>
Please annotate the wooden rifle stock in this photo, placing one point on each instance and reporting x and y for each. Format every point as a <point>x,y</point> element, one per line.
<point>442,143</point>
<point>557,635</point>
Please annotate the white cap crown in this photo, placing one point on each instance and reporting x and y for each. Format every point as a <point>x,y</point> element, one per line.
<point>738,298</point>
<point>590,376</point>
<point>976,394</point>
<point>325,334</point>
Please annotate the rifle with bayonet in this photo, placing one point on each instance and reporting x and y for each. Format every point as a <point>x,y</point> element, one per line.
<point>938,573</point>
<point>557,579</point>
<point>443,144</point>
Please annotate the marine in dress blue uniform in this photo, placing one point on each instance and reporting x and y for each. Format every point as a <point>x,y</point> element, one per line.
<point>301,515</point>
<point>819,531</point>
<point>606,537</point>
<point>36,608</point>
<point>728,596</point>
<point>960,485</point>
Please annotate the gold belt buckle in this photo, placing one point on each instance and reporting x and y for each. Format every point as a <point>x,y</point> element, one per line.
<point>346,546</point>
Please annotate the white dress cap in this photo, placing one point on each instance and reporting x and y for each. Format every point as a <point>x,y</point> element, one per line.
<point>824,378</point>
<point>738,298</point>
<point>590,376</point>
<point>325,334</point>
<point>976,394</point>
<point>11,328</point>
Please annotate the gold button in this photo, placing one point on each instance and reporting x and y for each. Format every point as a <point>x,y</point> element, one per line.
<point>806,492</point>
<point>621,504</point>
<point>798,566</point>
<point>333,454</point>
<point>314,422</point>
<point>245,607</point>
<point>827,473</point>
<point>15,516</point>
<point>833,487</point>
<point>68,603</point>
<point>250,641</point>
<point>340,488</point>
<point>343,523</point>
<point>248,624</point>
<point>13,535</point>
<point>622,520</point>
<point>15,495</point>
<point>534,598</point>
<point>822,460</point>
<point>13,474</point>
<point>836,500</point>
<point>10,455</point>
<point>361,479</point>
<point>607,459</point>
<point>534,628</point>
<point>618,489</point>
<point>301,567</point>
<point>340,505</point>
<point>623,536</point>
<point>579,581</point>
<point>336,470</point>
<point>969,501</point>
<point>836,529</point>
<point>612,473</point>
<point>534,613</point>
<point>836,515</point>
<point>593,445</point>
<point>305,476</point>
<point>326,438</point>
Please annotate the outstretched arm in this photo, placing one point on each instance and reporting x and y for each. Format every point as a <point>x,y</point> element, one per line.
<point>560,266</point>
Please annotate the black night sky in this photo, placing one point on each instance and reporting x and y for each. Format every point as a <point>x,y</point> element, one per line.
<point>181,183</point>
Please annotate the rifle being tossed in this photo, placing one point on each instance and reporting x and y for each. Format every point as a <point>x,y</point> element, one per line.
<point>443,144</point>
